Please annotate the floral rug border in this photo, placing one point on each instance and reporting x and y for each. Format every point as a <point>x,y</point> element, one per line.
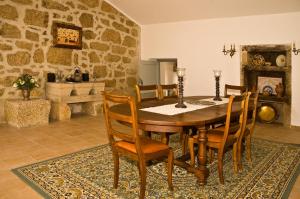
<point>288,187</point>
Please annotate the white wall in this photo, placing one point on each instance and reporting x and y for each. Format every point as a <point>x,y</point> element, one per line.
<point>197,45</point>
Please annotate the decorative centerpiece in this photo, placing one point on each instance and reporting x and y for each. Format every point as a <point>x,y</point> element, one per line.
<point>180,74</point>
<point>217,74</point>
<point>25,83</point>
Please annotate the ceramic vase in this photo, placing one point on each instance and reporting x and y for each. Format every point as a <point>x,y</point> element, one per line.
<point>279,90</point>
<point>26,94</point>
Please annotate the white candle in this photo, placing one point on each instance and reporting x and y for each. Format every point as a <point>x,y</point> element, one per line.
<point>217,73</point>
<point>180,72</point>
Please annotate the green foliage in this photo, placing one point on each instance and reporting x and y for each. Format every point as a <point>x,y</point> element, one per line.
<point>25,82</point>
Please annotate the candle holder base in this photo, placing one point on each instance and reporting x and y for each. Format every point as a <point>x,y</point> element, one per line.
<point>180,105</point>
<point>217,98</point>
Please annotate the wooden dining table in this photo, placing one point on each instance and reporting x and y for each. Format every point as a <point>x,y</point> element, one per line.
<point>200,119</point>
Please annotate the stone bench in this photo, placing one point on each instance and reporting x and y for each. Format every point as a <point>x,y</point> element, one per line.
<point>21,113</point>
<point>63,95</point>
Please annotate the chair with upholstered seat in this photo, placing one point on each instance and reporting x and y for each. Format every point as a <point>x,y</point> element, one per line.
<point>223,137</point>
<point>146,92</point>
<point>249,129</point>
<point>131,144</point>
<point>234,90</point>
<point>167,91</point>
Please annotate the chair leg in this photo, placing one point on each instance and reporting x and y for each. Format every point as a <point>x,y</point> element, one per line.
<point>170,168</point>
<point>165,138</point>
<point>248,148</point>
<point>220,166</point>
<point>184,141</point>
<point>211,155</point>
<point>116,169</point>
<point>191,149</point>
<point>235,157</point>
<point>142,169</point>
<point>239,155</point>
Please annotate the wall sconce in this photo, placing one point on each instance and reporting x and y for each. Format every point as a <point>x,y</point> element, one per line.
<point>294,50</point>
<point>231,51</point>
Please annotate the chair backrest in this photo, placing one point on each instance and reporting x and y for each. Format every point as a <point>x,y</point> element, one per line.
<point>241,100</point>
<point>167,91</point>
<point>146,92</point>
<point>234,89</point>
<point>253,101</point>
<point>114,119</point>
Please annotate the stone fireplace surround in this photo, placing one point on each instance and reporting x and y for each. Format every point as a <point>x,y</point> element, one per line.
<point>251,71</point>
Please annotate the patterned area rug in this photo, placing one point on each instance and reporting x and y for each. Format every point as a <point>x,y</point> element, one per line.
<point>89,174</point>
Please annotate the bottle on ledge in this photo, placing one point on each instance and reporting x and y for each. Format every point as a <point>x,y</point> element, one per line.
<point>77,74</point>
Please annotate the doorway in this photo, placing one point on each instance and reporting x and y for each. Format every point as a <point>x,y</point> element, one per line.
<point>157,71</point>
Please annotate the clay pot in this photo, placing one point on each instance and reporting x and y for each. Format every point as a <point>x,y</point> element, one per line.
<point>279,90</point>
<point>26,94</point>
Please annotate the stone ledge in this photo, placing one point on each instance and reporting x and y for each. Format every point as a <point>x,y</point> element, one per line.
<point>22,113</point>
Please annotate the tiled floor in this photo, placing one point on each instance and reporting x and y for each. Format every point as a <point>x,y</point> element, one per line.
<point>28,145</point>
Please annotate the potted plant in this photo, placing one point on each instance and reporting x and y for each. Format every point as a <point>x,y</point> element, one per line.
<point>25,83</point>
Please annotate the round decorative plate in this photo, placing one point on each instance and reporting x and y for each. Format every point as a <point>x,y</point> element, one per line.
<point>281,60</point>
<point>267,113</point>
<point>258,60</point>
<point>267,90</point>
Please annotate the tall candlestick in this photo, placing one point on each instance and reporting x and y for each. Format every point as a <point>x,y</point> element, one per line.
<point>180,74</point>
<point>217,74</point>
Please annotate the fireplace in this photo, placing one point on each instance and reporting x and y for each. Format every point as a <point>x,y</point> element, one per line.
<point>267,68</point>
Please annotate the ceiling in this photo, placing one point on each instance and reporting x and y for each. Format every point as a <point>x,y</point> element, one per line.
<point>162,11</point>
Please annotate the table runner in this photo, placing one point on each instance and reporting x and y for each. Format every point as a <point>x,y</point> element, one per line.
<point>192,105</point>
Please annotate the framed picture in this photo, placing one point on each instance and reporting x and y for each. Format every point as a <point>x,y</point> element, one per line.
<point>67,35</point>
<point>268,84</point>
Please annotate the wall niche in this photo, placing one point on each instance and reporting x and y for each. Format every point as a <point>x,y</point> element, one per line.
<point>265,68</point>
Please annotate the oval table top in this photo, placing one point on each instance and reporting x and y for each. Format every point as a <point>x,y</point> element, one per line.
<point>200,117</point>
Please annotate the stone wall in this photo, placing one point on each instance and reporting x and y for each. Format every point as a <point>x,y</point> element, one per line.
<point>110,50</point>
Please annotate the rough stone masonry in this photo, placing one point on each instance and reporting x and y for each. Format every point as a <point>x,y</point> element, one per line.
<point>110,50</point>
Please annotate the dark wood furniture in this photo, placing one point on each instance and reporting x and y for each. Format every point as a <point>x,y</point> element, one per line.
<point>240,89</point>
<point>157,91</point>
<point>200,119</point>
<point>171,89</point>
<point>150,92</point>
<point>224,137</point>
<point>132,145</point>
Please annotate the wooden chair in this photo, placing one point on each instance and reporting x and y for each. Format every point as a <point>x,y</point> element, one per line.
<point>132,145</point>
<point>151,90</point>
<point>224,137</point>
<point>155,92</point>
<point>170,89</point>
<point>233,89</point>
<point>249,129</point>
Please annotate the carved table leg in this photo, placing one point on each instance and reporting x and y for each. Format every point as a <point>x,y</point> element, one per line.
<point>202,171</point>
